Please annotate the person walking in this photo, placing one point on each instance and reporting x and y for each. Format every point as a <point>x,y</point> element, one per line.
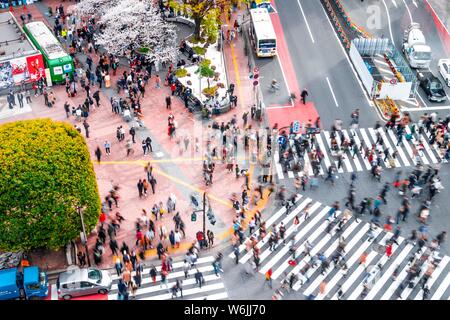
<point>389,250</point>
<point>86,127</point>
<point>199,278</point>
<point>210,236</point>
<point>98,154</point>
<point>81,258</point>
<point>129,146</point>
<point>157,82</point>
<point>107,146</point>
<point>133,134</point>
<point>140,186</point>
<point>144,147</point>
<point>153,184</point>
<point>186,268</point>
<point>304,94</point>
<point>20,99</point>
<point>168,103</point>
<point>268,278</point>
<point>148,141</point>
<point>236,254</point>
<point>153,272</point>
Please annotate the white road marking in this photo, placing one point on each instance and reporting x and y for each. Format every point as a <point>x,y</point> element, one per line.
<point>355,159</point>
<point>332,92</point>
<point>400,150</point>
<point>388,272</point>
<point>306,21</point>
<point>327,139</point>
<point>54,292</point>
<point>386,70</point>
<point>442,288</point>
<point>434,276</point>
<point>394,3</point>
<point>422,109</point>
<point>389,22</point>
<point>421,99</point>
<point>381,62</point>
<point>280,107</point>
<point>278,165</point>
<point>409,12</point>
<point>324,150</point>
<point>413,102</point>
<point>414,3</point>
<point>348,60</point>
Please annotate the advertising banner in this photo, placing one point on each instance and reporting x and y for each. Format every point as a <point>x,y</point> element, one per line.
<point>19,69</point>
<point>6,77</point>
<point>36,67</point>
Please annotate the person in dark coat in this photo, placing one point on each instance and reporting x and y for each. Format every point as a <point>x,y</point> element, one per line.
<point>98,154</point>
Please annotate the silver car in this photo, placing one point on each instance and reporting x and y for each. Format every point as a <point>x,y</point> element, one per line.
<point>80,282</point>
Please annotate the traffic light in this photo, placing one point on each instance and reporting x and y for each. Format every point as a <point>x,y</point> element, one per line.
<point>194,201</point>
<point>193,216</point>
<point>211,217</point>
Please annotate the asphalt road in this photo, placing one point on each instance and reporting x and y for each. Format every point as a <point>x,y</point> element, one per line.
<point>321,64</point>
<point>395,17</point>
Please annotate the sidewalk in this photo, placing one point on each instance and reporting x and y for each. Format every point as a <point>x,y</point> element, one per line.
<point>176,170</point>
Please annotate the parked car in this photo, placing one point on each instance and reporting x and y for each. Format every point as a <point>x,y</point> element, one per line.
<point>83,281</point>
<point>432,86</point>
<point>444,70</point>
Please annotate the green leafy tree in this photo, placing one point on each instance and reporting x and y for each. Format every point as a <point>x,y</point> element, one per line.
<point>46,172</point>
<point>199,10</point>
<point>210,26</point>
<point>205,70</point>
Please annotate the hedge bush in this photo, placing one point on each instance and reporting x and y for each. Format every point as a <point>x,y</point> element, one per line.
<point>46,172</point>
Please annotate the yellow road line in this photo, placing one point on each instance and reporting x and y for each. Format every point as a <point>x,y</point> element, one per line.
<point>190,186</point>
<point>222,236</point>
<point>173,160</point>
<point>249,215</point>
<point>236,67</point>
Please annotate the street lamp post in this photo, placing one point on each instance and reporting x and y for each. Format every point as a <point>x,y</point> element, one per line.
<point>204,213</point>
<point>84,238</point>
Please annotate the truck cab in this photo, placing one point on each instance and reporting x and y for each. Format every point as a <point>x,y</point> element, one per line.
<point>31,283</point>
<point>416,51</point>
<point>35,283</point>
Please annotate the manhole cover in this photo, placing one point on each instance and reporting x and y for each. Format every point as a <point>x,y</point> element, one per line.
<point>378,248</point>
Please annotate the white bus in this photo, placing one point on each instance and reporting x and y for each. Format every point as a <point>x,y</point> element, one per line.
<point>262,34</point>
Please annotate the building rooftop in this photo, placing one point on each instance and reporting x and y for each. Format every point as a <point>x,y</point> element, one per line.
<point>11,38</point>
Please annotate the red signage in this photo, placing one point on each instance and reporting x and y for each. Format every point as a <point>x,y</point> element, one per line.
<point>36,67</point>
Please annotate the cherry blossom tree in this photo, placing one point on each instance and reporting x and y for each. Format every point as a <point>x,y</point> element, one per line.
<point>89,8</point>
<point>135,24</point>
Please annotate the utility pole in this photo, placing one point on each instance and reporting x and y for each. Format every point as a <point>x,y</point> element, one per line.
<point>84,238</point>
<point>204,213</point>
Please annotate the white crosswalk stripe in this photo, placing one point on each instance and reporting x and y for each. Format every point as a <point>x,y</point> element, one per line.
<point>430,154</point>
<point>212,289</point>
<point>434,276</point>
<point>350,280</point>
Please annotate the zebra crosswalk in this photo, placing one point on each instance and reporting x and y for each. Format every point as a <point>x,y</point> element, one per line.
<point>212,289</point>
<point>347,282</point>
<point>405,149</point>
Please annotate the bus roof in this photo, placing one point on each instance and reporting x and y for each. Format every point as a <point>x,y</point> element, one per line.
<point>46,40</point>
<point>8,277</point>
<point>262,24</point>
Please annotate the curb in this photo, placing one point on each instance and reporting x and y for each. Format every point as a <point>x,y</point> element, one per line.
<point>444,33</point>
